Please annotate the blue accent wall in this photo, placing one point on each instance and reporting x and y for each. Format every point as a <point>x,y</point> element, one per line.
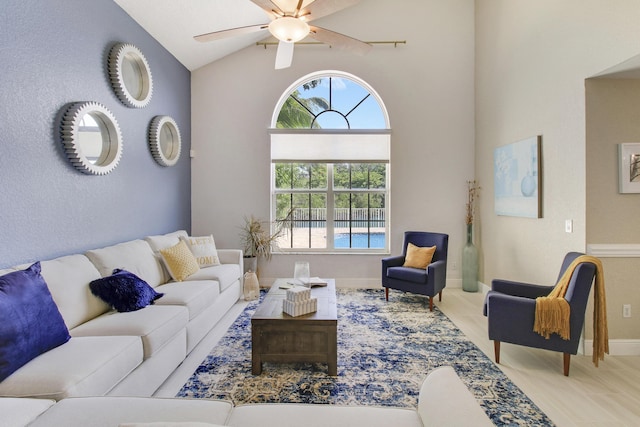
<point>54,53</point>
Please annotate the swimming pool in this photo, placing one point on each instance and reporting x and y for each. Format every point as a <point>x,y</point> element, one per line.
<point>359,240</point>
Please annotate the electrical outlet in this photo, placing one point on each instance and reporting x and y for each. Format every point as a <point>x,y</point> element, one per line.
<point>626,310</point>
<point>454,265</point>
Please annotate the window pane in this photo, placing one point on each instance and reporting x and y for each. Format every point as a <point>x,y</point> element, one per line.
<point>294,115</point>
<point>332,120</point>
<point>318,176</point>
<point>346,94</point>
<point>283,175</point>
<point>359,220</point>
<point>300,176</point>
<point>377,175</point>
<point>307,226</point>
<point>367,115</point>
<point>360,175</point>
<point>341,176</point>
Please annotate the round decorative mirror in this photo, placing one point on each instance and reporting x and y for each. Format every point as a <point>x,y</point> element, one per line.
<point>91,138</point>
<point>164,140</point>
<point>130,75</point>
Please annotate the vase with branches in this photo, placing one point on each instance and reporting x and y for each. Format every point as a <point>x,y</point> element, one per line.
<point>259,240</point>
<point>469,251</point>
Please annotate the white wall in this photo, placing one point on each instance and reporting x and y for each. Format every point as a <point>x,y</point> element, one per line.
<point>427,87</point>
<point>533,57</point>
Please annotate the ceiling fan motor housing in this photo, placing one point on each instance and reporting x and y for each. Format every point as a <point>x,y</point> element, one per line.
<point>289,29</point>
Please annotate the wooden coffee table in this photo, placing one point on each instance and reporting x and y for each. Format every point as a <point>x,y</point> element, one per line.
<point>279,338</point>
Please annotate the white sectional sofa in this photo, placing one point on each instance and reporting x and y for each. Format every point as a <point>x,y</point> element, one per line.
<point>124,353</point>
<point>443,401</point>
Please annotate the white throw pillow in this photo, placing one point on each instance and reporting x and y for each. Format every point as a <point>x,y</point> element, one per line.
<point>204,249</point>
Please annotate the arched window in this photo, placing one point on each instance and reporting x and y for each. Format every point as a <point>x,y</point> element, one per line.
<point>330,143</point>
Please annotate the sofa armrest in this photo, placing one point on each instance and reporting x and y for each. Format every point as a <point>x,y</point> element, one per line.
<point>230,256</point>
<point>394,261</point>
<point>444,400</point>
<point>519,289</point>
<point>437,275</point>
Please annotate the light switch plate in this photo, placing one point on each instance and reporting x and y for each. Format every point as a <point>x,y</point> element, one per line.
<point>568,226</point>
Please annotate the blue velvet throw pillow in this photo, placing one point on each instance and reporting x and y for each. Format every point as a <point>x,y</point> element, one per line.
<point>30,322</point>
<point>124,291</point>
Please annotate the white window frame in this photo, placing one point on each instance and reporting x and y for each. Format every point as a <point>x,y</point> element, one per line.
<point>283,151</point>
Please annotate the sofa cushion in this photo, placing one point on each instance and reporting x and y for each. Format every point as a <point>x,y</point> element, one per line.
<point>196,296</point>
<point>163,241</point>
<point>295,415</point>
<point>30,323</point>
<point>124,291</point>
<point>20,411</point>
<point>155,324</point>
<point>112,411</point>
<point>408,274</point>
<point>82,366</point>
<point>68,279</point>
<point>225,274</point>
<point>179,261</point>
<point>204,249</point>
<point>134,256</point>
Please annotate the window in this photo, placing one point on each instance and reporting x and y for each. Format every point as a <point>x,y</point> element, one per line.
<point>330,167</point>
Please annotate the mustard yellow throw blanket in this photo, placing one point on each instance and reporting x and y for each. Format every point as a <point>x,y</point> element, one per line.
<point>552,311</point>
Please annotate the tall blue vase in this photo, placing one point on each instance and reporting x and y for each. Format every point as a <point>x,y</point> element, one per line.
<point>470,263</point>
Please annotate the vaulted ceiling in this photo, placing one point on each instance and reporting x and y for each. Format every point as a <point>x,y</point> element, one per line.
<point>174,23</point>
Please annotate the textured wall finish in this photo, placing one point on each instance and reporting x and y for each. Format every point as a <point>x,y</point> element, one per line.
<point>51,55</point>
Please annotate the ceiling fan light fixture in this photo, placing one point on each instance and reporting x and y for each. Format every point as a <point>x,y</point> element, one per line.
<point>289,29</point>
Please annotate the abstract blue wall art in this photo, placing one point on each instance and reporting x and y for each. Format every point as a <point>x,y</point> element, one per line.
<point>517,178</point>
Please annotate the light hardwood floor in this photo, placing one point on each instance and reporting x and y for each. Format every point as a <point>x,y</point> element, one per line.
<point>605,396</point>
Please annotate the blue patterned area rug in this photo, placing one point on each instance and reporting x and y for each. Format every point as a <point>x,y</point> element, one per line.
<point>385,350</point>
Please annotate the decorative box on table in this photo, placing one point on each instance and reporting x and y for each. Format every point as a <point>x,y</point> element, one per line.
<point>299,302</point>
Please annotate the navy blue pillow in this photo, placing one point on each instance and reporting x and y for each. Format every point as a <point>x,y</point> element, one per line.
<point>30,322</point>
<point>124,291</point>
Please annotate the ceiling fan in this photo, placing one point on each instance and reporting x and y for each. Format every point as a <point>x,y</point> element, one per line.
<point>289,24</point>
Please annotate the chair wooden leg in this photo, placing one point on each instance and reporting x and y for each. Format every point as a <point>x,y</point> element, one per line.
<point>430,303</point>
<point>567,361</point>
<point>440,296</point>
<point>386,293</point>
<point>496,350</point>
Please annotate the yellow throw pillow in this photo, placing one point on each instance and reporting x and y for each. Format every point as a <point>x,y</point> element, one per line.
<point>179,261</point>
<point>204,249</point>
<point>418,257</point>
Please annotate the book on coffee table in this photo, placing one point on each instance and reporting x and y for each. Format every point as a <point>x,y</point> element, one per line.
<point>312,283</point>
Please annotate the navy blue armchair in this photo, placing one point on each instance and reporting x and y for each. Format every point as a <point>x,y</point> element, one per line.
<point>510,309</point>
<point>430,281</point>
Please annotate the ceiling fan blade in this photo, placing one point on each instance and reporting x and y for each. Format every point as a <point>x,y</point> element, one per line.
<point>339,41</point>
<point>284,55</point>
<point>272,9</point>
<point>319,8</point>
<point>217,35</point>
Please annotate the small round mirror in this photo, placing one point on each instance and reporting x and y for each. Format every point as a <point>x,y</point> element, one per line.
<point>130,75</point>
<point>91,138</point>
<point>164,140</point>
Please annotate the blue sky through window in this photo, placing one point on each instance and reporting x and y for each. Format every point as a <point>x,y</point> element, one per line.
<point>348,98</point>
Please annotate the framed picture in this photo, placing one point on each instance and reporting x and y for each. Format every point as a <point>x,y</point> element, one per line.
<point>517,178</point>
<point>629,167</point>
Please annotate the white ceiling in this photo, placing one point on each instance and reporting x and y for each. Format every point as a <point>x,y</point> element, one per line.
<point>174,23</point>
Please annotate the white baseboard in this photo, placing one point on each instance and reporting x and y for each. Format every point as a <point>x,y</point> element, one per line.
<point>616,348</point>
